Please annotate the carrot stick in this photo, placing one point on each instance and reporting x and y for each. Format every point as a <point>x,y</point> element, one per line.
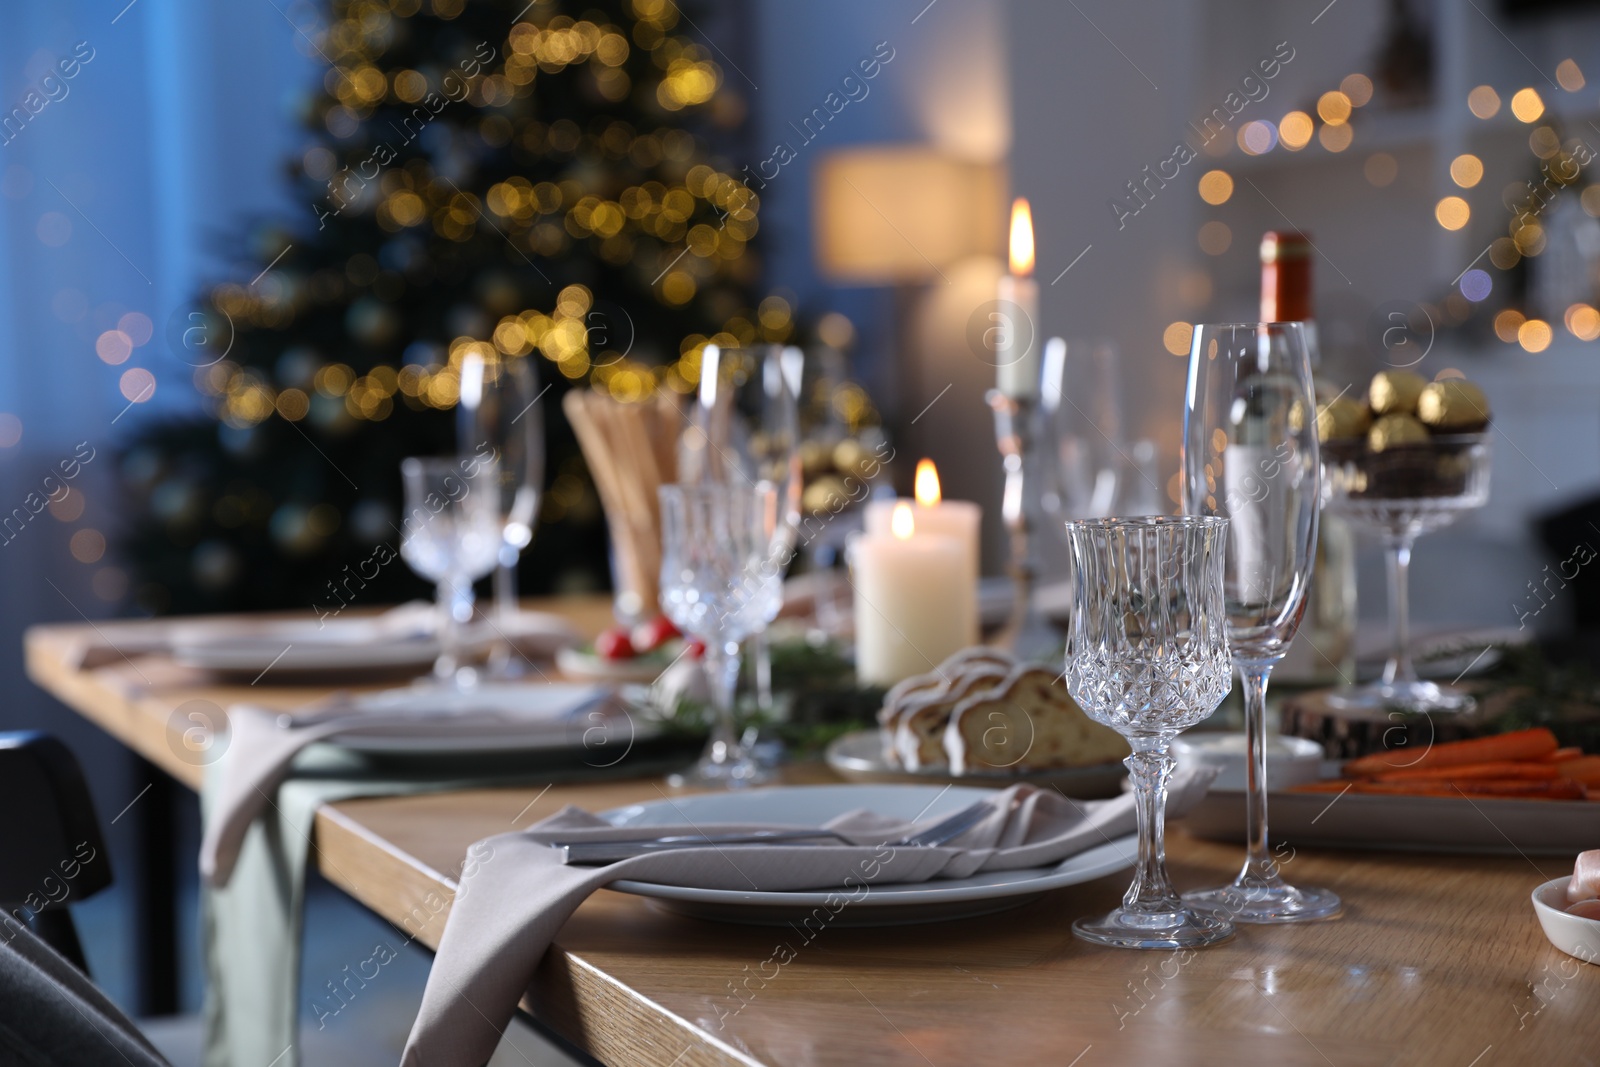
<point>1561,755</point>
<point>1585,769</point>
<point>1558,789</point>
<point>1529,770</point>
<point>1518,745</point>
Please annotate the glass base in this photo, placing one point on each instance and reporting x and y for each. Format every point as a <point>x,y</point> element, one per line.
<point>735,773</point>
<point>1178,928</point>
<point>1402,696</point>
<point>1279,903</point>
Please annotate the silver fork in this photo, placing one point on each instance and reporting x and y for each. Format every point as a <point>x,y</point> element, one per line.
<point>596,852</point>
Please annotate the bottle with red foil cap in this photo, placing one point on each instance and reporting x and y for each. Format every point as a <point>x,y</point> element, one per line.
<point>1325,653</point>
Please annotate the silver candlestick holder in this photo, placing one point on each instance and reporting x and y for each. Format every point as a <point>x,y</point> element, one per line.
<point>1027,633</point>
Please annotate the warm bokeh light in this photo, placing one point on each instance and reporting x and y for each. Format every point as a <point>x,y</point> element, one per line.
<point>1215,238</point>
<point>1333,108</point>
<point>1483,102</point>
<point>10,429</point>
<point>1336,138</point>
<point>1584,322</point>
<point>88,545</point>
<point>1591,200</point>
<point>138,385</point>
<point>1176,338</point>
<point>1295,130</point>
<point>1507,323</point>
<point>1448,373</point>
<point>1503,253</point>
<point>1215,187</point>
<point>68,508</point>
<point>1258,138</point>
<point>1544,143</point>
<point>927,483</point>
<point>902,524</point>
<point>1570,77</point>
<point>138,327</point>
<point>1452,212</point>
<point>1527,105</point>
<point>1021,237</point>
<point>1357,87</point>
<point>113,347</point>
<point>1534,335</point>
<point>1530,239</point>
<point>1380,169</point>
<point>1466,170</point>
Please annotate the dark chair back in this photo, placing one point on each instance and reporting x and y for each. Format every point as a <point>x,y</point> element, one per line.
<point>51,851</point>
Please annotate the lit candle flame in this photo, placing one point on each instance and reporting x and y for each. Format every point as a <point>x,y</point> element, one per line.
<point>902,525</point>
<point>927,485</point>
<point>1021,237</point>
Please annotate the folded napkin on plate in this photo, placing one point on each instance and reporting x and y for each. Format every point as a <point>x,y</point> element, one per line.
<point>260,751</point>
<point>514,899</point>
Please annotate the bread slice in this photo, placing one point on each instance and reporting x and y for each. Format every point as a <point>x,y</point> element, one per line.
<point>894,706</point>
<point>919,732</point>
<point>1026,723</point>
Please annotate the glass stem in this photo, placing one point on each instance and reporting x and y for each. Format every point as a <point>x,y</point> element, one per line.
<point>761,664</point>
<point>1259,869</point>
<point>1399,668</point>
<point>455,608</point>
<point>1150,766</point>
<point>505,584</point>
<point>722,672</point>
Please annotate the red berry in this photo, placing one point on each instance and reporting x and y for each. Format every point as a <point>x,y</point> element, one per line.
<point>649,636</point>
<point>614,644</point>
<point>694,648</point>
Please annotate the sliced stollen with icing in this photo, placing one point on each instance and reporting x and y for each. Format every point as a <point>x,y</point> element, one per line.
<point>1026,722</point>
<point>919,735</point>
<point>894,704</point>
<point>910,694</point>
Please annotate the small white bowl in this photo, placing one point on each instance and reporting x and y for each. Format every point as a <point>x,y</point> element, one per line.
<point>1291,761</point>
<point>1572,934</point>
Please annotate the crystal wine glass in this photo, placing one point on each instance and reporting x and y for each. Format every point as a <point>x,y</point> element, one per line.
<point>451,534</point>
<point>722,581</point>
<point>499,414</point>
<point>1147,655</point>
<point>1250,454</point>
<point>1404,492</point>
<point>745,430</point>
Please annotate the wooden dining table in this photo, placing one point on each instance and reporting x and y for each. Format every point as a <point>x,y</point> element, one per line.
<point>1437,959</point>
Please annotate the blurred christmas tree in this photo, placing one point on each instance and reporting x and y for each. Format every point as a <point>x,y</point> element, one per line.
<point>532,181</point>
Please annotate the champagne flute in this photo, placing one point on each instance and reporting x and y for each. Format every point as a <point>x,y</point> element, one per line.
<point>1250,454</point>
<point>451,535</point>
<point>1080,406</point>
<point>721,581</point>
<point>499,413</point>
<point>1147,655</point>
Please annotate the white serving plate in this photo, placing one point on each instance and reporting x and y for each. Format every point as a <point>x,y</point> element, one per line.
<point>298,646</point>
<point>1485,825</point>
<point>1573,934</point>
<point>885,905</point>
<point>536,717</point>
<point>858,756</point>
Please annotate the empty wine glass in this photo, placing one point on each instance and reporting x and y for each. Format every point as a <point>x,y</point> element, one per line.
<point>1080,405</point>
<point>721,581</point>
<point>1147,655</point>
<point>451,535</point>
<point>745,430</point>
<point>1250,454</point>
<point>499,413</point>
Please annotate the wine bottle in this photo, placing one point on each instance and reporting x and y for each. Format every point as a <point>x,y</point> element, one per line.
<point>1324,650</point>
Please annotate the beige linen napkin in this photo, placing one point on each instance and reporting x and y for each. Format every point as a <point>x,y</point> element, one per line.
<point>260,751</point>
<point>516,894</point>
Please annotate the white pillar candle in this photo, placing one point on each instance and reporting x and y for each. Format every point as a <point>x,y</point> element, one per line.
<point>957,519</point>
<point>910,610</point>
<point>1017,347</point>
